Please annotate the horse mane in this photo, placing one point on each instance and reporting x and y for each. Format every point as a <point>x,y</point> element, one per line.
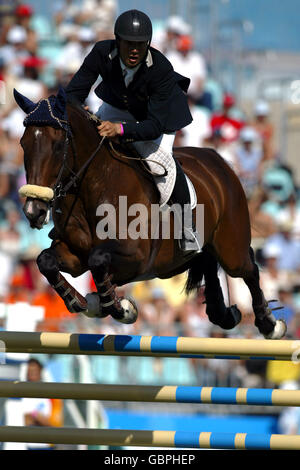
<point>86,114</point>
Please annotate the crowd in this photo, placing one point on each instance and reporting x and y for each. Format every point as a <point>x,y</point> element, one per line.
<point>39,54</point>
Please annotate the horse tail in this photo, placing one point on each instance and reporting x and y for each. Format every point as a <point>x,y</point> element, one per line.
<point>197,269</point>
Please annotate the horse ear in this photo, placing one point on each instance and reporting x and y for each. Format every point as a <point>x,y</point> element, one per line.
<point>60,102</point>
<point>25,103</point>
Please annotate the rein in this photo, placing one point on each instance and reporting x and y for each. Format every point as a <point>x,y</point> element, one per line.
<point>61,191</point>
<point>142,160</point>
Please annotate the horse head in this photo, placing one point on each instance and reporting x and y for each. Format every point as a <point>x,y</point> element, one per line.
<point>46,128</point>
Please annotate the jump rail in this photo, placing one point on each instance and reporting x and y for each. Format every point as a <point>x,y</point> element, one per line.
<point>162,346</point>
<point>176,439</point>
<point>144,393</point>
<point>93,344</point>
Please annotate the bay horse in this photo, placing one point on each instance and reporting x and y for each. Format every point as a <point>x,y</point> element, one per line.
<point>68,171</point>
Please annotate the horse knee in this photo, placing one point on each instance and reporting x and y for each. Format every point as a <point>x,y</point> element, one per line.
<point>99,261</point>
<point>48,264</point>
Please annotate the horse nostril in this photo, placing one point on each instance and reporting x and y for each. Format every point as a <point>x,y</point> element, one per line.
<point>28,209</point>
<point>35,212</point>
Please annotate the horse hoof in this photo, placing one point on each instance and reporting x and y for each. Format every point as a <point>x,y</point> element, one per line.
<point>232,318</point>
<point>226,319</point>
<point>279,330</point>
<point>94,309</point>
<point>130,311</point>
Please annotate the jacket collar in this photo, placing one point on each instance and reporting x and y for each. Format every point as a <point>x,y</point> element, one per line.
<point>149,61</point>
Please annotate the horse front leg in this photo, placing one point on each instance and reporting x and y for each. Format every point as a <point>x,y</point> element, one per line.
<point>50,262</point>
<point>106,301</point>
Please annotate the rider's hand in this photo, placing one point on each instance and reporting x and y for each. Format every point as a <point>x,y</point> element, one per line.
<point>109,129</point>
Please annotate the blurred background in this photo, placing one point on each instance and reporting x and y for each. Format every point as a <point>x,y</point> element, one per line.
<point>243,59</point>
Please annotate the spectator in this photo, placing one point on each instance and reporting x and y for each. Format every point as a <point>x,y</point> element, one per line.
<point>286,300</point>
<point>288,248</point>
<point>29,84</point>
<point>225,149</point>
<point>74,52</point>
<point>272,279</point>
<point>198,131</point>
<point>100,16</point>
<point>289,214</point>
<point>264,128</point>
<point>37,411</point>
<point>248,160</point>
<point>23,17</point>
<point>279,186</point>
<point>166,40</point>
<point>7,83</point>
<point>230,127</point>
<point>186,60</point>
<point>65,18</point>
<point>15,50</point>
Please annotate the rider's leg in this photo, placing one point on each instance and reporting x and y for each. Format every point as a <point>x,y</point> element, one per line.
<point>190,240</point>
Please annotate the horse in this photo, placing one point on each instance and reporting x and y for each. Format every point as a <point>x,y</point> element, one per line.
<point>72,172</point>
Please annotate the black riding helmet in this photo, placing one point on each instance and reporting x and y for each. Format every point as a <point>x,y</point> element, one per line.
<point>133,25</point>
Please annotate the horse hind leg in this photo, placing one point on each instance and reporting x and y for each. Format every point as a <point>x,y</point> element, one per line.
<point>206,264</point>
<point>264,319</point>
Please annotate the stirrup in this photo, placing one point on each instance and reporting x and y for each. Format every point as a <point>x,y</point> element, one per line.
<point>190,241</point>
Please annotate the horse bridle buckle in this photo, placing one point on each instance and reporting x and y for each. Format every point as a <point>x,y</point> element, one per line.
<point>59,191</point>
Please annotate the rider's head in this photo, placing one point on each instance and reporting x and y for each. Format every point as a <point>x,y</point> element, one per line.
<point>133,31</point>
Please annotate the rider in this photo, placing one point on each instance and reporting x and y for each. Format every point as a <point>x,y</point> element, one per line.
<point>143,97</point>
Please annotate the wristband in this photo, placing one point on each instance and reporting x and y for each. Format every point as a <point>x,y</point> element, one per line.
<point>122,129</point>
